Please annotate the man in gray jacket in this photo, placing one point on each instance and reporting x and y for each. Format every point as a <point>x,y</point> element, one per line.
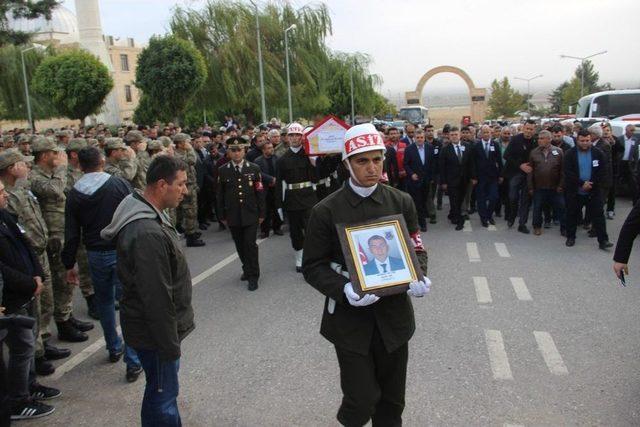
<point>156,312</point>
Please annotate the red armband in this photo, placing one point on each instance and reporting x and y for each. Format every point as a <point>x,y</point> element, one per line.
<point>258,186</point>
<point>417,242</point>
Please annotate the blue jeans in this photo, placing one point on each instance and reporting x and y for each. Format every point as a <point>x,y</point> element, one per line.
<point>542,197</point>
<point>486,197</point>
<point>159,405</point>
<point>102,265</point>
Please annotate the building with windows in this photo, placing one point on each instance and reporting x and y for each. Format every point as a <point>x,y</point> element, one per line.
<point>119,55</point>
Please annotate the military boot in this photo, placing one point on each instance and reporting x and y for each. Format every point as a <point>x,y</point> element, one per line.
<point>80,325</point>
<point>193,241</point>
<point>67,332</point>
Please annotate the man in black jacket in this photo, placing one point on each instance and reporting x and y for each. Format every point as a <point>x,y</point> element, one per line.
<point>155,310</point>
<point>516,170</point>
<point>454,175</point>
<point>241,207</point>
<point>628,233</point>
<point>90,207</point>
<point>486,171</point>
<point>584,173</point>
<point>420,165</point>
<point>21,275</point>
<point>268,165</point>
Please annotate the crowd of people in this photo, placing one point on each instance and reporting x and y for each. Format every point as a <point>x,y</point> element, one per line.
<point>62,193</point>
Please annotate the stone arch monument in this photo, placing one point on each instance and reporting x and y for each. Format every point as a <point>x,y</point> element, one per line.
<point>477,95</point>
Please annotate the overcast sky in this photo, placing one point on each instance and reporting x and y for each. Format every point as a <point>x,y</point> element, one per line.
<point>487,38</point>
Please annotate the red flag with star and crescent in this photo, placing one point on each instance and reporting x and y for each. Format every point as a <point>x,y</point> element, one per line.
<point>363,256</point>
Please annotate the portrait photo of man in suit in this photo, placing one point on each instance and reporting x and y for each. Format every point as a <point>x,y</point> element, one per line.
<point>381,263</point>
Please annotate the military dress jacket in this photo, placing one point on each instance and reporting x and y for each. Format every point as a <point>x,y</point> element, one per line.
<point>348,327</point>
<point>295,168</point>
<point>240,196</point>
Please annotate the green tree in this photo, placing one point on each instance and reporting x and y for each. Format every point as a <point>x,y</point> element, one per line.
<point>12,95</point>
<point>26,9</point>
<point>170,72</point>
<point>504,100</point>
<point>75,81</point>
<point>568,93</point>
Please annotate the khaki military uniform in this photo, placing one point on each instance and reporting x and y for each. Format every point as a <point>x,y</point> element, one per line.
<point>86,286</point>
<point>125,168</point>
<point>25,207</point>
<point>49,189</point>
<point>187,211</point>
<point>143,160</point>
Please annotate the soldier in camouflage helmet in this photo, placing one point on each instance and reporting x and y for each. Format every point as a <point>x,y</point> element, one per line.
<point>74,173</point>
<point>138,144</point>
<point>7,142</point>
<point>24,206</point>
<point>154,147</point>
<point>24,144</point>
<point>119,159</point>
<point>188,209</point>
<point>48,180</point>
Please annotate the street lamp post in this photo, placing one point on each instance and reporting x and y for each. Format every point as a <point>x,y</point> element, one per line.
<point>582,59</point>
<point>286,54</point>
<point>528,88</point>
<point>353,108</point>
<point>26,86</point>
<point>264,105</point>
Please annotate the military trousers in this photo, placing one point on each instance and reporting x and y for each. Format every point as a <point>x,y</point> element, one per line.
<point>373,385</point>
<point>187,212</point>
<point>43,303</point>
<point>247,248</point>
<point>62,291</point>
<point>298,221</point>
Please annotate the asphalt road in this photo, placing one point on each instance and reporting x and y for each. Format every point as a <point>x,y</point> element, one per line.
<point>517,330</point>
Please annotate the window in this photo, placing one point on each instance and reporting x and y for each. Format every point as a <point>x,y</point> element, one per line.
<point>127,93</point>
<point>124,61</point>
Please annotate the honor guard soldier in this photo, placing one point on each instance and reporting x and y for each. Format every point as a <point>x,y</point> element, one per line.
<point>241,207</point>
<point>187,211</point>
<point>328,176</point>
<point>370,333</point>
<point>295,189</point>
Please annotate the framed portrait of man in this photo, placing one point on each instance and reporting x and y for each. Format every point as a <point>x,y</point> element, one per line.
<point>379,255</point>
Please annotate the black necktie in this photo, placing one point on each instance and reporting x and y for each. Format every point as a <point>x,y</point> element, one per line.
<point>458,152</point>
<point>384,267</point>
<point>237,168</point>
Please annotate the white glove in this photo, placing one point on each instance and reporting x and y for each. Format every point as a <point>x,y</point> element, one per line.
<point>418,288</point>
<point>355,300</point>
<point>280,214</point>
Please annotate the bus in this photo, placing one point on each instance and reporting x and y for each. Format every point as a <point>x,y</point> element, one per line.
<point>416,114</point>
<point>609,104</point>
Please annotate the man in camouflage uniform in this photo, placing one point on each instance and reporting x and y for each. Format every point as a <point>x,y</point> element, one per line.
<point>137,142</point>
<point>23,205</point>
<point>24,144</point>
<point>48,181</point>
<point>119,159</point>
<point>64,136</point>
<point>188,209</point>
<point>74,173</point>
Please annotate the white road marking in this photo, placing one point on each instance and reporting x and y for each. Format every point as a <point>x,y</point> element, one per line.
<point>502,250</point>
<point>512,425</point>
<point>482,290</point>
<point>472,251</point>
<point>98,344</point>
<point>492,227</point>
<point>550,353</point>
<point>467,226</point>
<point>520,288</point>
<point>497,355</point>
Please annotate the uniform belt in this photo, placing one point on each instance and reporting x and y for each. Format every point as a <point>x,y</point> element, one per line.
<point>327,181</point>
<point>300,185</point>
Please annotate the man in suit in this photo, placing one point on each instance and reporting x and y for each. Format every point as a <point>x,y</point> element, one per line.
<point>381,262</point>
<point>435,192</point>
<point>584,173</point>
<point>596,132</point>
<point>410,133</point>
<point>241,207</point>
<point>454,174</point>
<point>486,170</point>
<point>629,231</point>
<point>420,165</point>
<point>628,151</point>
<point>267,163</point>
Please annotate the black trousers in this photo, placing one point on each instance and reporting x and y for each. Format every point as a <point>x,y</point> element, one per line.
<point>593,203</point>
<point>456,197</point>
<point>245,241</point>
<point>298,221</point>
<point>373,386</point>
<point>503,199</point>
<point>272,220</point>
<point>420,195</point>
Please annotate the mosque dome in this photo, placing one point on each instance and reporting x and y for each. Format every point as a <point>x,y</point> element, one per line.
<point>63,26</point>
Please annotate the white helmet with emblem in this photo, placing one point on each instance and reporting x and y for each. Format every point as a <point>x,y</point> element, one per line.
<point>360,139</point>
